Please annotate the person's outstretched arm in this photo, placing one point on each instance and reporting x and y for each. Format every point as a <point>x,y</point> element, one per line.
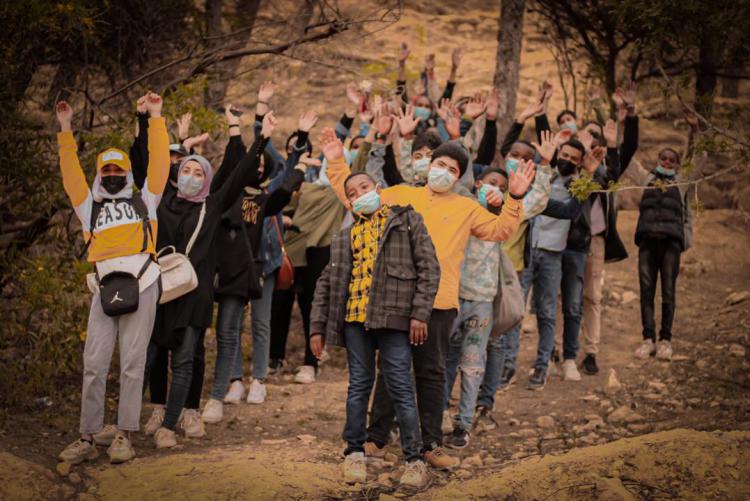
<point>158,150</point>
<point>139,148</point>
<point>233,152</point>
<point>74,180</point>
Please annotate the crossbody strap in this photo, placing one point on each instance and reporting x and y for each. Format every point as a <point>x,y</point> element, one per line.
<point>197,230</point>
<point>278,232</point>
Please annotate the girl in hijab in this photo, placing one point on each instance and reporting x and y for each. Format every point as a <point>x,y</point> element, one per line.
<point>179,323</point>
<point>120,228</point>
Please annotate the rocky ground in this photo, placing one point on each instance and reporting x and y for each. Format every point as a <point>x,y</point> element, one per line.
<point>647,428</point>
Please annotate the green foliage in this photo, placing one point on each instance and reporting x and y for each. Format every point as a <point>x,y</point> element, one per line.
<point>583,186</point>
<point>188,98</point>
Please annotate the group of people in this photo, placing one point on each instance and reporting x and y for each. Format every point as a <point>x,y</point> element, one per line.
<point>401,243</point>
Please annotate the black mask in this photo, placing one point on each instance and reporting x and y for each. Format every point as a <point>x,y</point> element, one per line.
<point>114,184</point>
<point>565,167</point>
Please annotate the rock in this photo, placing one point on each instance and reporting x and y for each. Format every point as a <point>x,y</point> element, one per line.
<point>737,350</point>
<point>730,461</point>
<point>629,297</point>
<point>63,469</point>
<point>472,461</point>
<point>273,441</point>
<point>589,439</point>
<point>384,479</point>
<point>701,364</point>
<point>74,478</point>
<point>639,427</point>
<point>306,439</point>
<point>737,297</point>
<point>657,385</point>
<point>258,429</point>
<point>463,474</point>
<point>518,455</point>
<point>652,396</point>
<point>615,297</point>
<point>390,457</point>
<point>527,433</point>
<point>624,414</point>
<point>590,398</point>
<point>734,473</point>
<point>613,384</point>
<point>680,358</point>
<point>513,422</point>
<point>611,489</point>
<point>545,422</point>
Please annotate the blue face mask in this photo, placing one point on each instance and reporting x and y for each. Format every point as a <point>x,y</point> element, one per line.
<point>485,190</point>
<point>511,165</point>
<point>367,203</point>
<point>571,126</point>
<point>421,167</point>
<point>352,156</point>
<point>440,180</point>
<point>422,113</point>
<point>665,172</point>
<point>189,185</point>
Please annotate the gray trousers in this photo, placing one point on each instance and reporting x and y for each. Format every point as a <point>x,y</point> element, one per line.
<point>134,333</point>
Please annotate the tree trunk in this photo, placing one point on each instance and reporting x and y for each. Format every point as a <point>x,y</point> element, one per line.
<point>508,63</point>
<point>709,53</point>
<point>730,87</point>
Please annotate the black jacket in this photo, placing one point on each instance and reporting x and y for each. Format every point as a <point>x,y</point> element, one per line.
<point>661,214</point>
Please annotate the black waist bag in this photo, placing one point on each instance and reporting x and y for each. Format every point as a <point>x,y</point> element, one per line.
<point>118,291</point>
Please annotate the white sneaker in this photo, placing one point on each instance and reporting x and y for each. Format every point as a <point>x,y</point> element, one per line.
<point>78,452</point>
<point>305,375</point>
<point>106,436</point>
<point>570,371</point>
<point>235,393</point>
<point>415,474</point>
<point>164,438</point>
<point>324,357</point>
<point>155,421</point>
<point>355,468</point>
<point>447,425</point>
<point>664,350</point>
<point>257,392</point>
<point>192,424</point>
<point>120,450</point>
<point>645,350</point>
<point>213,412</point>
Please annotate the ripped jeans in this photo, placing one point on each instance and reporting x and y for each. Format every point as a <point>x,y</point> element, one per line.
<point>467,352</point>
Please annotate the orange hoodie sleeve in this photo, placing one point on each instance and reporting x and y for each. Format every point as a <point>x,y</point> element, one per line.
<point>158,155</point>
<point>74,181</point>
<point>337,173</point>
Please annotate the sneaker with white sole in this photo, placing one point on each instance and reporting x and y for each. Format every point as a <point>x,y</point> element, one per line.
<point>664,350</point>
<point>447,425</point>
<point>570,371</point>
<point>276,366</point>
<point>236,393</point>
<point>105,437</point>
<point>645,350</point>
<point>78,452</point>
<point>120,450</point>
<point>164,438</point>
<point>415,474</point>
<point>213,412</point>
<point>192,424</point>
<point>305,375</point>
<point>355,468</point>
<point>155,421</point>
<point>257,392</point>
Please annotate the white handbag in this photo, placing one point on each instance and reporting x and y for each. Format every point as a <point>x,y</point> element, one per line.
<point>178,276</point>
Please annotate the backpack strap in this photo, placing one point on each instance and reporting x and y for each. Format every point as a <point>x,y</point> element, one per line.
<point>96,208</point>
<point>140,208</point>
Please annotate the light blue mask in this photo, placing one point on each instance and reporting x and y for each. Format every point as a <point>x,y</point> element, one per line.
<point>511,165</point>
<point>665,172</point>
<point>572,126</point>
<point>485,190</point>
<point>367,203</point>
<point>440,180</point>
<point>422,113</point>
<point>189,185</point>
<point>421,167</point>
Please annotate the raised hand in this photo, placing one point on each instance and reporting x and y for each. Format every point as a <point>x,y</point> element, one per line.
<point>429,63</point>
<point>562,137</point>
<point>307,121</point>
<point>595,94</point>
<point>140,104</point>
<point>231,118</point>
<point>403,53</point>
<point>269,124</point>
<point>330,145</point>
<point>493,101</point>
<point>593,159</point>
<point>610,133</point>
<point>547,149</point>
<point>154,104</point>
<point>586,138</point>
<point>353,94</point>
<point>456,56</point>
<point>476,106</point>
<point>366,116</point>
<point>183,125</point>
<point>533,108</point>
<point>545,91</point>
<point>691,118</point>
<point>384,120</point>
<point>520,180</point>
<point>194,141</point>
<point>407,122</point>
<point>453,122</point>
<point>628,94</point>
<point>444,108</point>
<point>265,92</point>
<point>64,115</point>
<point>309,161</point>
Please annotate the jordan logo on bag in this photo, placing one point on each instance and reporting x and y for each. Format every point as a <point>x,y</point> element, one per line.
<point>116,298</point>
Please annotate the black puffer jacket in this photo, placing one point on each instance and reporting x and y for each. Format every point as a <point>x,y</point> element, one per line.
<point>661,215</point>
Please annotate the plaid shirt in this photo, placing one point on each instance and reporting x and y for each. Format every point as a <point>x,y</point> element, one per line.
<point>365,236</point>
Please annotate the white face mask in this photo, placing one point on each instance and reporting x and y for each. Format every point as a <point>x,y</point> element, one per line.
<point>189,185</point>
<point>421,167</point>
<point>440,180</point>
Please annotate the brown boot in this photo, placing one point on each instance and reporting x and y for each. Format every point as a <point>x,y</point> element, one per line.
<point>438,459</point>
<point>373,451</point>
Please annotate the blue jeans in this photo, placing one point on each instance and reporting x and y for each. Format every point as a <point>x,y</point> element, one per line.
<point>573,267</point>
<point>467,351</point>
<point>260,323</point>
<point>228,333</point>
<point>546,270</point>
<point>502,352</point>
<point>395,359</point>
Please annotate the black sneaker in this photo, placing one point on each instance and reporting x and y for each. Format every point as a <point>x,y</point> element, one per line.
<point>507,378</point>
<point>538,379</point>
<point>275,365</point>
<point>589,365</point>
<point>483,419</point>
<point>458,439</point>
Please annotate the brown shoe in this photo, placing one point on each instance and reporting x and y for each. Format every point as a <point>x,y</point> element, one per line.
<point>373,451</point>
<point>438,459</point>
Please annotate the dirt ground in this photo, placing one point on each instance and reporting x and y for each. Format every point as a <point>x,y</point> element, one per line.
<point>572,440</point>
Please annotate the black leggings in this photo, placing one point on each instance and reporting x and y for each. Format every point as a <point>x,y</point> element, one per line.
<point>158,374</point>
<point>305,279</point>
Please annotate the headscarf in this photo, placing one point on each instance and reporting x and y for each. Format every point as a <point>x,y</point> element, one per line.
<point>119,158</point>
<point>208,172</point>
